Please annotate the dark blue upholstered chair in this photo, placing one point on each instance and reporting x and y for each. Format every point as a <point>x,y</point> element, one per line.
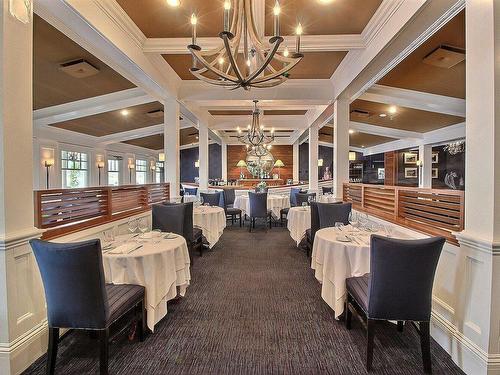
<point>315,224</point>
<point>258,208</point>
<point>190,191</point>
<point>304,197</point>
<point>169,217</point>
<point>77,296</point>
<point>331,213</point>
<point>327,189</point>
<point>229,196</point>
<point>213,199</point>
<point>293,202</point>
<point>399,287</point>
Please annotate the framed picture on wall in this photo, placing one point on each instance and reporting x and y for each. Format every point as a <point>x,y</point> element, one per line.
<point>411,173</point>
<point>435,173</point>
<point>381,173</point>
<point>410,158</point>
<point>435,157</point>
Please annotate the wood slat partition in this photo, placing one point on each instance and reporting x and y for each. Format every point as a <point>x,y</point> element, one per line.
<point>65,211</point>
<point>430,211</point>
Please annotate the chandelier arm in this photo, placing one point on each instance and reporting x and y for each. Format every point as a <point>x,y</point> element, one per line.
<point>270,57</point>
<point>277,74</point>
<point>269,66</point>
<point>252,29</point>
<point>269,84</point>
<point>231,58</point>
<point>207,66</point>
<point>214,81</point>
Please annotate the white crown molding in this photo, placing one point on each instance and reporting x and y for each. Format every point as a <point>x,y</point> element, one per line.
<point>481,244</point>
<point>384,131</point>
<point>415,99</point>
<point>382,15</point>
<point>91,106</point>
<point>12,240</point>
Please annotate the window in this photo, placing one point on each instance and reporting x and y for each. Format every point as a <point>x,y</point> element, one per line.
<point>114,172</point>
<point>141,170</point>
<point>159,174</point>
<point>74,168</point>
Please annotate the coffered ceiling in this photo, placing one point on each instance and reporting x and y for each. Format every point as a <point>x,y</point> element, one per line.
<point>51,86</point>
<point>363,140</point>
<point>188,136</point>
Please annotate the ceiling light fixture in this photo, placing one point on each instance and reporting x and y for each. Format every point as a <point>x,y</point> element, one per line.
<point>257,69</point>
<point>124,112</point>
<point>351,131</point>
<point>325,1</point>
<point>383,115</point>
<point>393,109</point>
<point>174,3</point>
<point>255,136</point>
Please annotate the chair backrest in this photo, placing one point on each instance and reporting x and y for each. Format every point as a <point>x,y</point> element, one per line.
<point>213,199</point>
<point>181,190</point>
<point>229,197</point>
<point>169,217</point>
<point>314,219</point>
<point>258,204</point>
<point>304,197</point>
<point>73,279</point>
<point>261,190</point>
<point>326,189</point>
<point>293,196</point>
<point>190,191</point>
<point>401,277</point>
<point>331,213</point>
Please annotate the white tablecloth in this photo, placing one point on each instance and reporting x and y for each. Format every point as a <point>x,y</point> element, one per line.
<point>274,203</point>
<point>159,267</point>
<point>329,198</point>
<point>190,198</point>
<point>299,220</point>
<point>211,220</point>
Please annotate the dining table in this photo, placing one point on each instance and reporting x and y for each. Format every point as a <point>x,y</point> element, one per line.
<point>340,253</point>
<point>189,198</point>
<point>211,220</point>
<point>158,261</point>
<point>275,202</point>
<point>298,221</point>
<point>329,198</point>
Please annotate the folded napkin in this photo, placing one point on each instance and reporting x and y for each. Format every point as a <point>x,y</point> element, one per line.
<point>126,248</point>
<point>170,236</point>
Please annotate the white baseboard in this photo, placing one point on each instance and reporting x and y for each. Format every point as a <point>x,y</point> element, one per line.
<point>17,356</point>
<point>468,356</point>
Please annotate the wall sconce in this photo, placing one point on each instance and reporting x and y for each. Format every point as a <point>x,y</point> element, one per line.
<point>21,10</point>
<point>161,156</point>
<point>48,163</point>
<point>320,162</point>
<point>152,167</point>
<point>278,163</point>
<point>197,164</point>
<point>352,156</point>
<point>131,167</point>
<point>100,165</point>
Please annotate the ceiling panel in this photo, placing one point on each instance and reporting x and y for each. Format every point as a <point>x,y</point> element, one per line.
<point>336,17</point>
<point>413,74</point>
<point>314,65</point>
<point>114,122</point>
<point>267,112</point>
<point>50,85</point>
<point>404,119</point>
<point>153,142</point>
<point>189,136</point>
<point>363,140</point>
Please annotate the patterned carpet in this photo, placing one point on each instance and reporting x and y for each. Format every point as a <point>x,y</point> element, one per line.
<point>254,307</point>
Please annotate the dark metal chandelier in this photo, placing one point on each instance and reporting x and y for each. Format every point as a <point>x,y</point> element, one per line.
<point>255,137</point>
<point>260,66</point>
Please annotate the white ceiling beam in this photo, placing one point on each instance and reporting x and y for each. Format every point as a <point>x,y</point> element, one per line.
<point>288,122</point>
<point>91,106</point>
<point>308,43</point>
<point>384,131</point>
<point>131,134</point>
<point>299,91</point>
<point>415,99</point>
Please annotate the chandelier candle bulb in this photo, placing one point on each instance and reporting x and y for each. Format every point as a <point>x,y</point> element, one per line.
<point>194,21</point>
<point>227,10</point>
<point>298,33</point>
<point>276,12</point>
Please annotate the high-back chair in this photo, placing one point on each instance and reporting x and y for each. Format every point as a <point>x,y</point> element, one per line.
<point>213,199</point>
<point>331,213</point>
<point>231,212</point>
<point>326,189</point>
<point>169,217</point>
<point>399,287</point>
<point>258,208</point>
<point>293,202</point>
<point>77,296</point>
<point>304,197</point>
<point>190,191</point>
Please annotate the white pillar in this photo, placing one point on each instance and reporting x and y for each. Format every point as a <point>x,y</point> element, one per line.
<point>340,145</point>
<point>224,160</point>
<point>172,146</point>
<point>425,170</point>
<point>23,329</point>
<point>296,161</point>
<point>313,158</point>
<point>203,155</point>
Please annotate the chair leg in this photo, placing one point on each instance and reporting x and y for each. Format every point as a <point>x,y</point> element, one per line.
<point>103,358</point>
<point>348,312</point>
<point>52,350</point>
<point>425,345</point>
<point>240,220</point>
<point>270,222</point>
<point>250,226</point>
<point>232,220</point>
<point>400,325</point>
<point>370,333</point>
<point>142,321</point>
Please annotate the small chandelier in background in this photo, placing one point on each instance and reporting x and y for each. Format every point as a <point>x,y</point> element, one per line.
<point>255,137</point>
<point>454,148</point>
<point>261,67</point>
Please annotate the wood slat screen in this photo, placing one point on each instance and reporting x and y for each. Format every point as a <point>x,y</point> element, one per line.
<point>64,211</point>
<point>431,211</point>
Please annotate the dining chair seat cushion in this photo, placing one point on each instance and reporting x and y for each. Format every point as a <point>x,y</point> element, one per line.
<point>284,211</point>
<point>233,211</point>
<point>122,298</point>
<point>357,287</point>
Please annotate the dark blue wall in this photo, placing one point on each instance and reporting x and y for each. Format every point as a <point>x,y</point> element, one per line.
<point>325,153</point>
<point>190,155</point>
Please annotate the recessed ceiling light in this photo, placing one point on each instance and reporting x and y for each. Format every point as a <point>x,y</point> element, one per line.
<point>174,3</point>
<point>363,146</point>
<point>124,112</point>
<point>392,109</point>
<point>351,131</point>
<point>325,1</point>
<point>383,115</point>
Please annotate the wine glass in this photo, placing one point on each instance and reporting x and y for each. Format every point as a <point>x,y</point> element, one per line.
<point>375,227</point>
<point>339,225</point>
<point>353,219</point>
<point>363,219</point>
<point>143,225</point>
<point>108,237</point>
<point>156,235</point>
<point>132,225</point>
<point>388,230</point>
<point>304,205</point>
